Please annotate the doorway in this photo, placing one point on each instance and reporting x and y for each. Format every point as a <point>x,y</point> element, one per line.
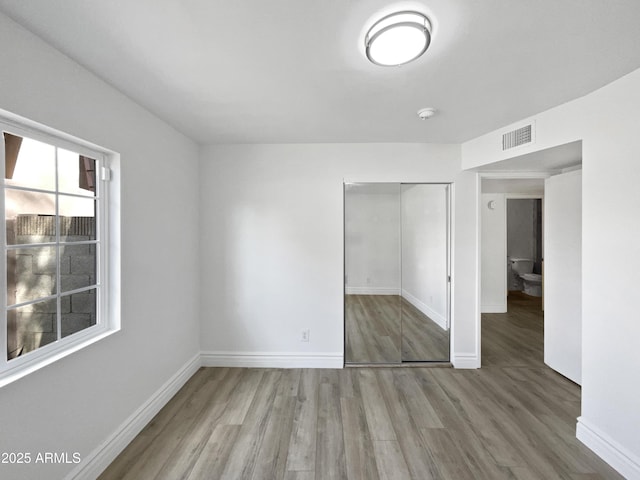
<point>512,331</point>
<point>397,271</point>
<point>559,170</point>
<point>525,247</point>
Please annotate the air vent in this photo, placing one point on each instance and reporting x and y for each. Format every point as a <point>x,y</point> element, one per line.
<point>520,136</point>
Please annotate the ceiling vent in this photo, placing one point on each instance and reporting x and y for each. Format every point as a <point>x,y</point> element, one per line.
<point>515,138</point>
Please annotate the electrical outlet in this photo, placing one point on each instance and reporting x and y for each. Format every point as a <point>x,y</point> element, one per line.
<point>304,336</point>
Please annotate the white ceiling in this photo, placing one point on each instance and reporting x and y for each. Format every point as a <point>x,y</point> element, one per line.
<point>280,71</point>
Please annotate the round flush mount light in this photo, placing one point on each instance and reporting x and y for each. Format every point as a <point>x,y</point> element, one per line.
<point>398,38</point>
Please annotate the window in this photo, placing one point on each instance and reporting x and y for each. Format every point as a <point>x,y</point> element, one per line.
<point>55,237</point>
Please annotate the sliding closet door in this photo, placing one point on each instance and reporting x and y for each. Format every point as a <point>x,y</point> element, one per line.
<point>425,272</point>
<point>372,273</point>
<point>396,273</point>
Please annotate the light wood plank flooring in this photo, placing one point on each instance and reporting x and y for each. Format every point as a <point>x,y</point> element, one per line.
<point>512,419</point>
<point>514,339</point>
<point>372,328</point>
<point>389,329</point>
<point>422,338</point>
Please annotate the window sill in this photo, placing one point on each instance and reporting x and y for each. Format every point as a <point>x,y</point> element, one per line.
<point>22,366</point>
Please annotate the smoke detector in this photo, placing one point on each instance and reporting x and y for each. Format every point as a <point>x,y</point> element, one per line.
<point>426,113</point>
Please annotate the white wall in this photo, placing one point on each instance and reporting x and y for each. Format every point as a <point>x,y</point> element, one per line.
<point>520,186</point>
<point>272,245</point>
<point>606,122</point>
<point>75,404</point>
<point>424,249</point>
<point>372,241</point>
<point>563,274</point>
<point>494,253</point>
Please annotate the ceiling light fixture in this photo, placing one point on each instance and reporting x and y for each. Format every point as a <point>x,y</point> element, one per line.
<point>398,39</point>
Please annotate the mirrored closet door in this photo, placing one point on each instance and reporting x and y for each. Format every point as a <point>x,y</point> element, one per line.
<point>396,273</point>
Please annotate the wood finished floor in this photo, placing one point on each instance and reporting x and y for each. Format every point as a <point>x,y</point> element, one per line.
<point>512,419</point>
<point>515,339</point>
<point>389,329</point>
<point>422,338</point>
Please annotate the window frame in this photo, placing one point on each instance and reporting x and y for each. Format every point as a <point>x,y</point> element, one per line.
<point>107,302</point>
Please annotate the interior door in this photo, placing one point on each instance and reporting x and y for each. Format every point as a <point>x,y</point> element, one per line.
<point>563,274</point>
<point>425,272</point>
<point>372,273</point>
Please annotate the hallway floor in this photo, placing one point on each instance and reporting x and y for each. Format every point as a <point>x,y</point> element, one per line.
<point>515,338</point>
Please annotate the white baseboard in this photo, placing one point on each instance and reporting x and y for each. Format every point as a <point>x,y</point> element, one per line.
<point>272,360</point>
<point>500,308</point>
<point>100,458</point>
<point>465,360</point>
<point>372,291</point>
<point>439,319</point>
<point>622,460</point>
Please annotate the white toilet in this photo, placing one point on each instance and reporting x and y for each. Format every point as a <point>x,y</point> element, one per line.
<point>523,267</point>
<point>532,284</point>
